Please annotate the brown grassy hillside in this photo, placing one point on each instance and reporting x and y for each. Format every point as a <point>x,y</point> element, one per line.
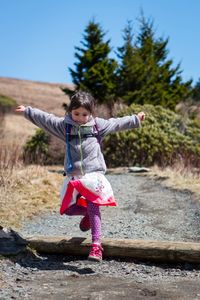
<point>46,96</point>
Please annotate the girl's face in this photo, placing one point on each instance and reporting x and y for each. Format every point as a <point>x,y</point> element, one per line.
<point>80,115</point>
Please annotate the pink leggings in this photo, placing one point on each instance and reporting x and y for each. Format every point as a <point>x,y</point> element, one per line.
<point>93,211</point>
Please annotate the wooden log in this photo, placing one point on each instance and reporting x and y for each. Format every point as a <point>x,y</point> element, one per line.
<point>162,251</point>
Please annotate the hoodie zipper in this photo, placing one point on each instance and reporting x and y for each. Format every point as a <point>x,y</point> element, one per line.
<point>81,152</point>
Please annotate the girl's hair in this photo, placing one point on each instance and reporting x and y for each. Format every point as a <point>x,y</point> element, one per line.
<point>82,99</point>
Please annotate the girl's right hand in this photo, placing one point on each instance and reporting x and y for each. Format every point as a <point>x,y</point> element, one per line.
<point>20,108</point>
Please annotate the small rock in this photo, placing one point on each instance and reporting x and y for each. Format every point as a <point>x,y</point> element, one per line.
<point>138,169</point>
<point>11,243</point>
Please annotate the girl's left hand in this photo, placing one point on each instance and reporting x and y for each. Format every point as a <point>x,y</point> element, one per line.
<point>141,116</point>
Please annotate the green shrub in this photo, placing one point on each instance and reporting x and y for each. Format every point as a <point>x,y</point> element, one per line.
<point>6,104</point>
<point>164,138</point>
<point>36,148</point>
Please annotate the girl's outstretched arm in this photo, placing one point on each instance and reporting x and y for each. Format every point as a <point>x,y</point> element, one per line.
<point>50,123</point>
<point>117,124</point>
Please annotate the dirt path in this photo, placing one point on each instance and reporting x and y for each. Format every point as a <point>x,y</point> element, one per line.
<point>146,210</point>
<point>59,277</point>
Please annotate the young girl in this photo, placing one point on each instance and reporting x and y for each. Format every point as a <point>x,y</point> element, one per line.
<point>85,188</point>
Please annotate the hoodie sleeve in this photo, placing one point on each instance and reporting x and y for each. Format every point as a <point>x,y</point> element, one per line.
<point>117,124</point>
<point>50,123</point>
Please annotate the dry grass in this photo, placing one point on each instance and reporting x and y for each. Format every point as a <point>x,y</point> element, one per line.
<point>13,136</point>
<point>26,192</point>
<point>17,128</point>
<point>179,177</point>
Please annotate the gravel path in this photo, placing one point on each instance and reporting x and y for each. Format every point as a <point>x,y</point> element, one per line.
<point>146,210</point>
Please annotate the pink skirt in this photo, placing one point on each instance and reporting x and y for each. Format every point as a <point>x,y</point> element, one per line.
<point>93,186</point>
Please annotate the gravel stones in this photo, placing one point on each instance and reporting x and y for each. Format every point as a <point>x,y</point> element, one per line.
<point>146,210</point>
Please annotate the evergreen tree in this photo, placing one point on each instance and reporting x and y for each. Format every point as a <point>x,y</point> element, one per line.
<point>196,92</point>
<point>94,70</point>
<point>149,74</point>
<point>126,55</point>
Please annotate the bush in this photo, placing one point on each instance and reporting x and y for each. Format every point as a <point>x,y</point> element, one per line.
<point>44,149</point>
<point>36,148</point>
<point>6,104</point>
<point>164,138</point>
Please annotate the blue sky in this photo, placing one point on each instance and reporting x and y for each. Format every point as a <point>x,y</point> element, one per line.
<point>38,36</point>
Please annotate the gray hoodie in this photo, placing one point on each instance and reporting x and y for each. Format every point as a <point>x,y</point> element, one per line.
<point>85,152</point>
